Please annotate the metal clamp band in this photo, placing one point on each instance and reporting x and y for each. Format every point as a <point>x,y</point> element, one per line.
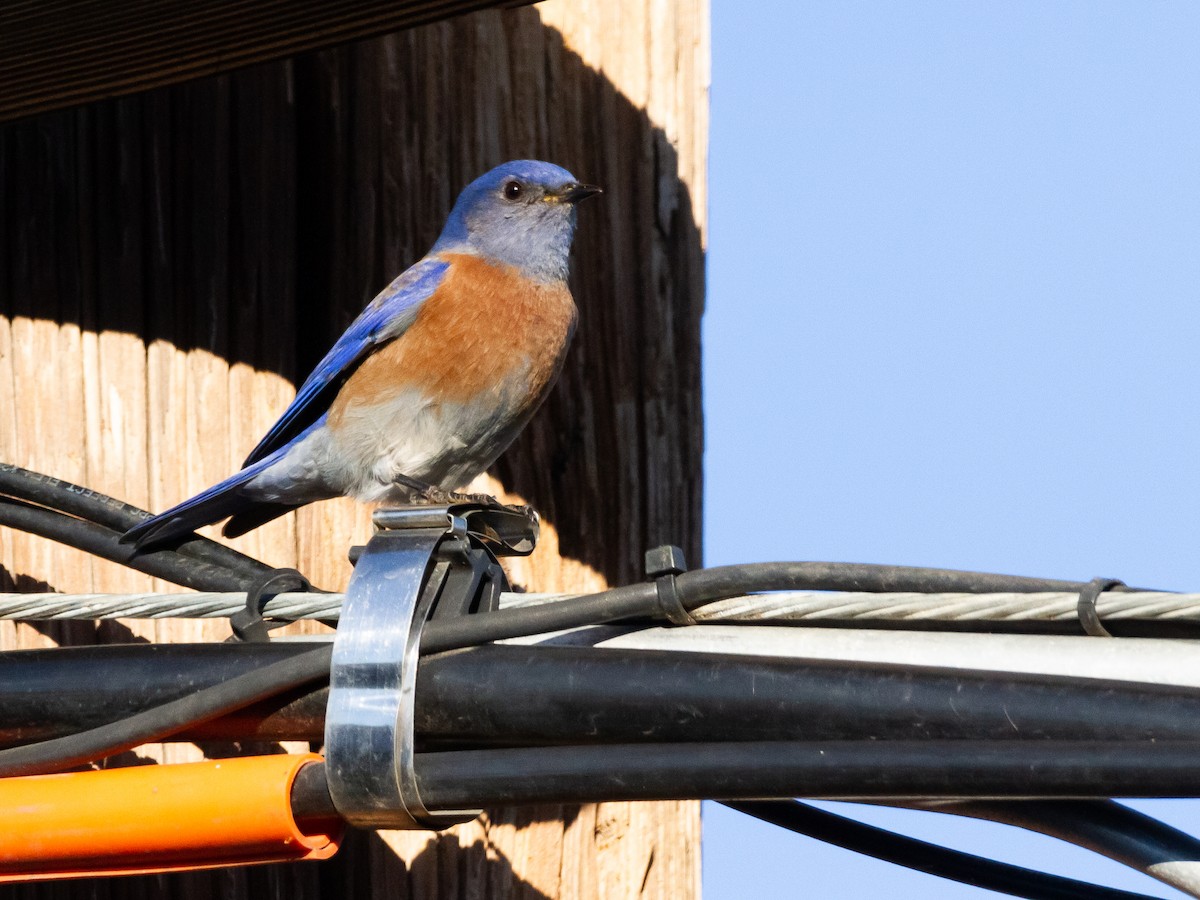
<point>369,720</point>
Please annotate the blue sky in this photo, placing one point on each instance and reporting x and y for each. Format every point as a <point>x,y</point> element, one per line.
<point>954,266</point>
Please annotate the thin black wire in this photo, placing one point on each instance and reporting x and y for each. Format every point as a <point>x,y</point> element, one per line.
<point>965,868</point>
<point>640,601</point>
<point>705,585</point>
<point>630,602</point>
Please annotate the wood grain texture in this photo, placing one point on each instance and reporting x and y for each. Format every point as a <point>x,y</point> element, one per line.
<point>172,263</point>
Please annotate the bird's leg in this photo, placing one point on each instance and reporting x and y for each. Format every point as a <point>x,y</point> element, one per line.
<point>431,495</point>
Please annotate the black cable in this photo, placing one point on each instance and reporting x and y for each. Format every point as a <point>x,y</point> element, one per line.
<point>104,542</point>
<point>162,721</point>
<point>310,795</point>
<point>51,492</point>
<point>100,509</point>
<point>51,692</point>
<point>931,859</point>
<point>503,695</point>
<point>1124,834</point>
<point>837,770</point>
<point>705,585</point>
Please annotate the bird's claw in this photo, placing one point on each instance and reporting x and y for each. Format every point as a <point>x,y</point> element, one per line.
<point>435,496</point>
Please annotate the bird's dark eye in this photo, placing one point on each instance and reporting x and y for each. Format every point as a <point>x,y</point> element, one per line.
<point>513,190</point>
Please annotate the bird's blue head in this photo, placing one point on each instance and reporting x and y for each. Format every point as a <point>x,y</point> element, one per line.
<point>522,214</point>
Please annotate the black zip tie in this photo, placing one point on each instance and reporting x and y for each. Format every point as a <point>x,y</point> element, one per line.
<point>248,624</point>
<point>1086,607</point>
<point>662,565</point>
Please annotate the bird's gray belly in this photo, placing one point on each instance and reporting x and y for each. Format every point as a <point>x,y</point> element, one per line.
<point>440,443</point>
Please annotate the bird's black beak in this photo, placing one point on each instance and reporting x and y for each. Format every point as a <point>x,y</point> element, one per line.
<point>573,193</point>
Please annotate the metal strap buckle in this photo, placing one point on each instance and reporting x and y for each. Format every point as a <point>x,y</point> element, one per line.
<point>418,559</point>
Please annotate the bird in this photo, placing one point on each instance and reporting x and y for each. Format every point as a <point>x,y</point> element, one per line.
<point>436,376</point>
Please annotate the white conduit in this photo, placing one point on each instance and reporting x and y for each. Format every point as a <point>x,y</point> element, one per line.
<point>1143,660</point>
<point>791,606</point>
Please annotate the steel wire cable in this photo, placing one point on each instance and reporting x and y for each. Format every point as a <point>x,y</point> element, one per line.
<point>783,607</point>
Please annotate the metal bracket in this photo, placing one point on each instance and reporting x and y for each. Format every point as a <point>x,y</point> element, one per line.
<point>505,530</point>
<point>421,561</point>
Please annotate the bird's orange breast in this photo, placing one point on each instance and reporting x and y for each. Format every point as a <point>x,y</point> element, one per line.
<point>483,325</point>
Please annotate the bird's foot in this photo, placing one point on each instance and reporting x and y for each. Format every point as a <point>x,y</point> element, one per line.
<point>425,494</point>
<point>437,496</point>
<point>507,530</point>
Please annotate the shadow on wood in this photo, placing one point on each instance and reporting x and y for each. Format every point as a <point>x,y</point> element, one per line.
<point>365,863</point>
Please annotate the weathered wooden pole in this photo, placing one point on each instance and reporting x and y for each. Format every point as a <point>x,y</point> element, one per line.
<point>172,262</point>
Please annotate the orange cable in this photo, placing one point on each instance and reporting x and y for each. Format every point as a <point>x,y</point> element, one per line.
<point>156,819</point>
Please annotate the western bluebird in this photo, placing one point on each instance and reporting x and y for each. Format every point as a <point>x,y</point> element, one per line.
<point>434,379</point>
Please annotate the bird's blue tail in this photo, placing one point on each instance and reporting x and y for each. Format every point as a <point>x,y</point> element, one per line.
<point>218,502</point>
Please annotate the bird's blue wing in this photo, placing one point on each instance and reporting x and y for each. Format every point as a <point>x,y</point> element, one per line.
<point>386,317</point>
